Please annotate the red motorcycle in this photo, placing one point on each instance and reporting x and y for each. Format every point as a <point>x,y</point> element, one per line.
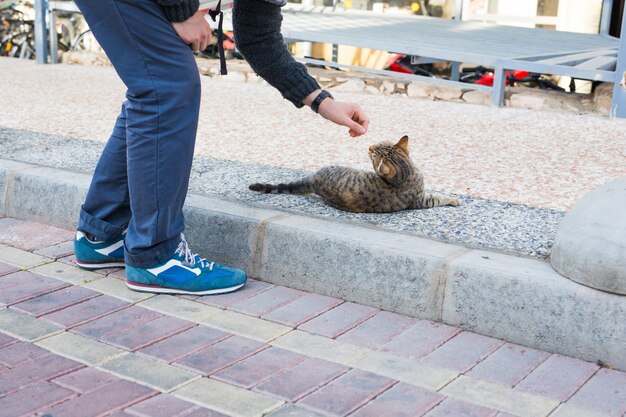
<point>402,63</point>
<point>476,75</point>
<point>485,76</point>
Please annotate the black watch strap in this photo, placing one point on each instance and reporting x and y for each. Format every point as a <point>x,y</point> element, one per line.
<point>315,106</point>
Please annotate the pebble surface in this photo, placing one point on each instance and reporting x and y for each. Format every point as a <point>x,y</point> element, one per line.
<point>477,223</point>
<point>516,170</point>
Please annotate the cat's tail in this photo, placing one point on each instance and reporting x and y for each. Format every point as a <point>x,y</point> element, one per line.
<point>304,186</point>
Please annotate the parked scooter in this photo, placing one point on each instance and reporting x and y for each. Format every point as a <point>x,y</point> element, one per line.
<point>402,63</point>
<point>485,76</point>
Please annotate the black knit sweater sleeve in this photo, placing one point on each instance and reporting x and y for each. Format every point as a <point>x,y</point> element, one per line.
<point>256,25</point>
<point>179,10</point>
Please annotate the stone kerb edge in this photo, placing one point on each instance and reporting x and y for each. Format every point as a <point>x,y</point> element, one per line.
<point>8,169</point>
<point>392,271</point>
<point>525,301</point>
<point>46,195</point>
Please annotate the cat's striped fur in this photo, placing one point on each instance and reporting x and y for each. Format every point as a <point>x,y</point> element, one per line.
<point>396,184</point>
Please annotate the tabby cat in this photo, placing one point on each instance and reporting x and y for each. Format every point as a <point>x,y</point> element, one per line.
<point>395,185</point>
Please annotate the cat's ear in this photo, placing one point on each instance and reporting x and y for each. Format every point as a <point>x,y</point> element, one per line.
<point>403,144</point>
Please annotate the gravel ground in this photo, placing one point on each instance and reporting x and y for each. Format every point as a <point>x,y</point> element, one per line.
<point>476,223</point>
<point>542,159</point>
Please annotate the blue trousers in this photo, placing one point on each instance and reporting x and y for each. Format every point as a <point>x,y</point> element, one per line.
<point>140,182</point>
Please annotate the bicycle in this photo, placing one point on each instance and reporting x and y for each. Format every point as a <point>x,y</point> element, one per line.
<point>73,33</point>
<point>17,34</point>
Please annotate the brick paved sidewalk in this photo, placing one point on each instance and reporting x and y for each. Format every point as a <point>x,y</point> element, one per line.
<point>77,343</point>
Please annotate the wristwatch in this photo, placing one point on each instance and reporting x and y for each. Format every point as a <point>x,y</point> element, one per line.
<point>315,105</point>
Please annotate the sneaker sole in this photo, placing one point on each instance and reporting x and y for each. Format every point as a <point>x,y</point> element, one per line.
<point>99,265</point>
<point>163,290</point>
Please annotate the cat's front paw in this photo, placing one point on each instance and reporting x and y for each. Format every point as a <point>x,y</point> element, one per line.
<point>454,202</point>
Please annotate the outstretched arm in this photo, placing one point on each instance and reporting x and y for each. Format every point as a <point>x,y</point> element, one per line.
<point>256,25</point>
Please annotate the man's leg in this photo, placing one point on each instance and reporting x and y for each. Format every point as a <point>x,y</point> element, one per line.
<point>162,107</point>
<point>106,211</point>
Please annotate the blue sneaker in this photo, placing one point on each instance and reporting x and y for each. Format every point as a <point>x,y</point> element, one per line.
<point>91,254</point>
<point>185,273</point>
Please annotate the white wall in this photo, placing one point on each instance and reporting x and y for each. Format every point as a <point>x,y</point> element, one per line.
<point>519,8</point>
<point>579,15</point>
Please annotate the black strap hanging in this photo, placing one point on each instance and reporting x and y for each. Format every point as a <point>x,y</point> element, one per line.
<point>220,35</point>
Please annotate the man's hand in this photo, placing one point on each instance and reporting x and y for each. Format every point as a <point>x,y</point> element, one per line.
<point>345,114</point>
<point>195,31</point>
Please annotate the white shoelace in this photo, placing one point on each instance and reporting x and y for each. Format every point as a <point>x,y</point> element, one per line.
<point>191,258</point>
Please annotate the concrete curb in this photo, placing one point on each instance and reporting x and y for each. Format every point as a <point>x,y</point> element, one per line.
<point>516,299</point>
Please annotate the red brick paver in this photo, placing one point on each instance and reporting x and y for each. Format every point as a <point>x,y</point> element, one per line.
<point>347,393</point>
<point>302,379</point>
<point>339,320</point>
<point>24,285</point>
<point>302,309</point>
<point>6,340</point>
<point>16,353</point>
<point>267,301</point>
<point>86,311</point>
<point>39,369</point>
<point>116,322</point>
<point>420,339</point>
<point>401,400</point>
<point>54,301</point>
<point>112,397</point>
<point>7,269</point>
<point>27,401</point>
<point>57,251</point>
<point>377,330</point>
<point>29,235</point>
<point>184,343</point>
<point>144,334</point>
<point>220,355</point>
<point>509,364</point>
<point>558,377</point>
<point>463,351</point>
<point>86,380</point>
<point>260,367</point>
<point>605,392</point>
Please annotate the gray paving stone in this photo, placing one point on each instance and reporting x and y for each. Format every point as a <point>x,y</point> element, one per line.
<point>80,348</point>
<point>148,372</point>
<point>227,399</point>
<point>20,258</point>
<point>25,327</point>
<point>499,398</point>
